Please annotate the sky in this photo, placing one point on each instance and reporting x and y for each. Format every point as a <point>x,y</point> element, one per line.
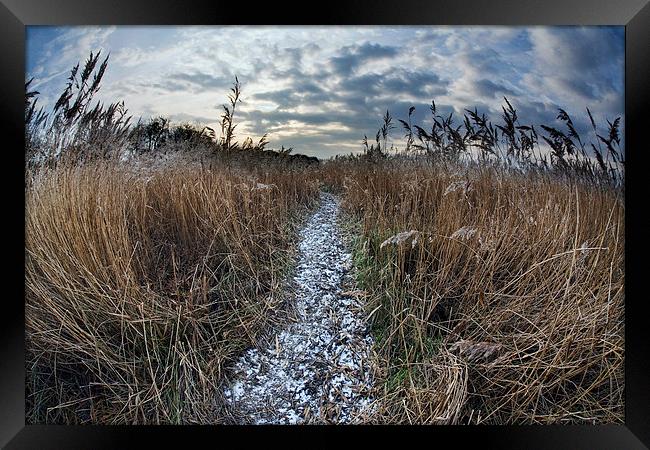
<point>320,89</point>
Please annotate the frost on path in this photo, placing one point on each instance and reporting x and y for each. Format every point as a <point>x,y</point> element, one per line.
<point>318,368</point>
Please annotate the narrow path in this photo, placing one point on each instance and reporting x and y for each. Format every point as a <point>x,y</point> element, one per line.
<point>318,368</point>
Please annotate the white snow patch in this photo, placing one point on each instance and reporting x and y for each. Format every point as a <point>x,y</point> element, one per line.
<point>314,369</point>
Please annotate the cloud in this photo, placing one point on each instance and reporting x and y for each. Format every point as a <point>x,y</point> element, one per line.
<point>302,91</point>
<point>417,84</point>
<point>201,81</point>
<point>320,89</point>
<point>581,63</point>
<point>353,56</point>
<point>487,88</point>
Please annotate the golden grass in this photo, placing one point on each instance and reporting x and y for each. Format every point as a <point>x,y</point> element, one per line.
<point>519,321</point>
<point>505,305</point>
<point>141,287</point>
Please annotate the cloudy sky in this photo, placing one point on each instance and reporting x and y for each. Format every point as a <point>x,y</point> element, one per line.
<point>320,89</point>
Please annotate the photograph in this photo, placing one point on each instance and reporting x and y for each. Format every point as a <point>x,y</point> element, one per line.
<point>379,224</point>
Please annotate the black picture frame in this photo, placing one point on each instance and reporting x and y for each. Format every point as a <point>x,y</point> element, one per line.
<point>15,15</point>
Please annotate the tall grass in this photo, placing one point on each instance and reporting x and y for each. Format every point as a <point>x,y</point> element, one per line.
<point>504,303</point>
<point>510,144</point>
<point>140,288</point>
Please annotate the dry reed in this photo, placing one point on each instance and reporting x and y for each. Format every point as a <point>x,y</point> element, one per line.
<point>508,306</point>
<point>141,287</point>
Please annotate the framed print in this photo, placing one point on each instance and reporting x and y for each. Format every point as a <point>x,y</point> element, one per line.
<point>407,218</point>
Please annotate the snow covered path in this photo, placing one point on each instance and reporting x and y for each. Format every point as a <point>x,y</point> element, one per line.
<point>317,369</point>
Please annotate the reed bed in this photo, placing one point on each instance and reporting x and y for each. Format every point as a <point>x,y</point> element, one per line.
<point>495,297</point>
<point>142,286</point>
